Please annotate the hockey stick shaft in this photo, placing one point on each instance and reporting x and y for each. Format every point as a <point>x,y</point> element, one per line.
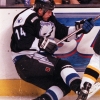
<point>76,31</point>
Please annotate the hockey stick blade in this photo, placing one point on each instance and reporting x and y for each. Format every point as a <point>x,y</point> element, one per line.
<point>95,88</point>
<point>73,33</point>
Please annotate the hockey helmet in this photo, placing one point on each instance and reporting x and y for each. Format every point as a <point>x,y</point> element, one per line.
<point>44,4</point>
<point>84,1</point>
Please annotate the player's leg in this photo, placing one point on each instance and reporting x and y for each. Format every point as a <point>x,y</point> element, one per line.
<point>55,92</point>
<point>90,77</point>
<point>41,73</point>
<point>57,88</point>
<point>69,75</point>
<point>91,73</point>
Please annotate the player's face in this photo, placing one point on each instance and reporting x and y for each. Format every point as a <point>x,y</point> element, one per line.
<point>47,15</point>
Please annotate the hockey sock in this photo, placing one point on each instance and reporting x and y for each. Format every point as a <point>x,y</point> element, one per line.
<point>92,70</point>
<point>55,93</point>
<point>75,85</point>
<point>71,77</point>
<point>90,75</point>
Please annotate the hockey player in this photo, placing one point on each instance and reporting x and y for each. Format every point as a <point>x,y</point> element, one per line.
<point>92,72</point>
<point>33,45</point>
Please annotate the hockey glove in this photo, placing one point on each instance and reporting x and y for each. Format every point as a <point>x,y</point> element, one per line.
<point>47,45</point>
<point>88,25</point>
<point>78,25</point>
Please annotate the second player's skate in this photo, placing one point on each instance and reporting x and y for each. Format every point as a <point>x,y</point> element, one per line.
<point>82,95</point>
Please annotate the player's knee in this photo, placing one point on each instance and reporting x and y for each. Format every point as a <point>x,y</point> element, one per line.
<point>61,65</point>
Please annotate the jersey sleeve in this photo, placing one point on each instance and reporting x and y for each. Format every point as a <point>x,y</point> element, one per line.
<point>25,36</point>
<point>61,29</point>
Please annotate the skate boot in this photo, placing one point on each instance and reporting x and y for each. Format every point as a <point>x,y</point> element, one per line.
<point>95,88</point>
<point>83,93</point>
<point>43,97</point>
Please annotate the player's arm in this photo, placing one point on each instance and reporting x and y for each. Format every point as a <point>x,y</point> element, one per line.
<point>24,37</point>
<point>23,41</point>
<point>62,30</point>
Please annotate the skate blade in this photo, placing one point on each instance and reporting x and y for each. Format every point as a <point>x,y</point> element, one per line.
<point>95,88</point>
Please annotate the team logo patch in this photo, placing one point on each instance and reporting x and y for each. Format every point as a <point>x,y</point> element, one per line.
<point>47,69</point>
<point>20,20</point>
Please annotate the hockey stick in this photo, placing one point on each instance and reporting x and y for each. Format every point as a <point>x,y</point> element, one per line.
<point>76,31</point>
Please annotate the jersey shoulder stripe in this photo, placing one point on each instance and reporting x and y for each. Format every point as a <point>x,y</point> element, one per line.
<point>20,20</point>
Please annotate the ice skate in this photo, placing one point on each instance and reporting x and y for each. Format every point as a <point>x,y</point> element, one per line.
<point>83,93</point>
<point>94,89</point>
